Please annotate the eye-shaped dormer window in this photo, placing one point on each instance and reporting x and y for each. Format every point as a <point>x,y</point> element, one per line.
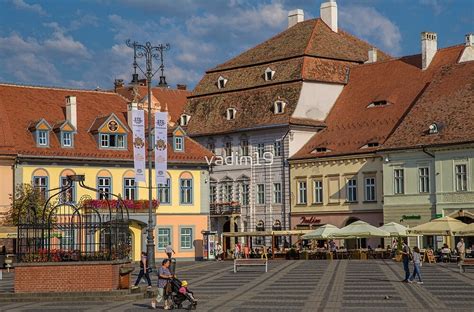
<point>269,73</point>
<point>279,107</point>
<point>184,120</point>
<point>221,82</point>
<point>230,114</point>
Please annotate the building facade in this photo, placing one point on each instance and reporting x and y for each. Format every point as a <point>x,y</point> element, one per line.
<point>260,108</point>
<point>429,159</point>
<point>339,176</point>
<point>55,132</point>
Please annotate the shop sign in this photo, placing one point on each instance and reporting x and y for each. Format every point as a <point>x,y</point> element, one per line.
<point>438,215</point>
<point>411,217</point>
<point>309,220</point>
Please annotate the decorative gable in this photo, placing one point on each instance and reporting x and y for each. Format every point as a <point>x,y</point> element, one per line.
<point>178,139</point>
<point>108,124</point>
<point>41,130</point>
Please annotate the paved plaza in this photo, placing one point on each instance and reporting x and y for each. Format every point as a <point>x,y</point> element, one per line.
<point>341,285</point>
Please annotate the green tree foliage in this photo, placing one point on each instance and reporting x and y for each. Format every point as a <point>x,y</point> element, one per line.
<point>27,198</point>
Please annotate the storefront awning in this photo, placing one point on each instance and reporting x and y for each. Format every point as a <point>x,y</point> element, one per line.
<point>265,233</point>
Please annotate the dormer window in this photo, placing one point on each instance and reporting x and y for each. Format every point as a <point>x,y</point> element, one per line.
<point>179,143</point>
<point>433,128</point>
<point>279,107</point>
<point>40,130</point>
<point>184,120</point>
<point>321,150</point>
<point>221,82</point>
<point>380,103</point>
<point>112,140</point>
<point>371,144</point>
<point>66,139</point>
<point>269,73</point>
<point>231,113</point>
<point>42,138</point>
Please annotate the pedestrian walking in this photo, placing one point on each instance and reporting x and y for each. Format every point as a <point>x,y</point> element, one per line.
<point>246,251</point>
<point>169,251</point>
<point>144,271</point>
<point>237,251</point>
<point>461,249</point>
<point>264,253</point>
<point>164,276</point>
<point>219,252</point>
<point>416,266</point>
<point>406,260</point>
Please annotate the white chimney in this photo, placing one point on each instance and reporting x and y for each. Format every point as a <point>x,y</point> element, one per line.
<point>469,40</point>
<point>468,52</point>
<point>71,110</point>
<point>372,56</point>
<point>328,13</point>
<point>429,46</point>
<point>131,107</point>
<point>295,17</point>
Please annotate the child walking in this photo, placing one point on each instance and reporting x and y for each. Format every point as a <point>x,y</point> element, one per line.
<point>416,266</point>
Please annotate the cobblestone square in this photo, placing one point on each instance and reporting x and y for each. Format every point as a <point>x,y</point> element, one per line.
<point>341,285</point>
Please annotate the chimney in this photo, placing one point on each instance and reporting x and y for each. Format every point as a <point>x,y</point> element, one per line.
<point>328,13</point>
<point>71,110</point>
<point>294,17</point>
<point>372,56</point>
<point>181,86</point>
<point>131,107</point>
<point>429,46</point>
<point>470,40</point>
<point>468,52</point>
<point>118,83</point>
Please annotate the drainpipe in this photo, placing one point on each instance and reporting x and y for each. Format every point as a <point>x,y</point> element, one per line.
<point>434,180</point>
<point>427,153</point>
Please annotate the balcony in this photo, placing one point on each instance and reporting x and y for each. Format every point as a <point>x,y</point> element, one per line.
<point>224,209</point>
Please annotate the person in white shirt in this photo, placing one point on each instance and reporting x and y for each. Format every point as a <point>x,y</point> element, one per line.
<point>169,251</point>
<point>461,249</point>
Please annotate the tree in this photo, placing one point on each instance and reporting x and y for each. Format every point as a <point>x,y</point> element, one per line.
<point>27,199</point>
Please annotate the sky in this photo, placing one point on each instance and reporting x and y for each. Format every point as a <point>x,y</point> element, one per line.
<point>81,43</point>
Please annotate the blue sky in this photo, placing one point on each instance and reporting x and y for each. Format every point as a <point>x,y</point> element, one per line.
<point>81,44</point>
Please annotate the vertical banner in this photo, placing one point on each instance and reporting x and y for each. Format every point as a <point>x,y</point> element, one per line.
<point>161,138</point>
<point>138,128</point>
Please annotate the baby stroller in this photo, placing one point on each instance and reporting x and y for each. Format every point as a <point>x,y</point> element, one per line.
<point>179,299</point>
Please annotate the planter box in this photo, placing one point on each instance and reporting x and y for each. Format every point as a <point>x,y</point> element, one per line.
<point>68,276</point>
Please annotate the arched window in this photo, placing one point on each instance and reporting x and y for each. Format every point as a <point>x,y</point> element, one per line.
<point>70,195</point>
<point>104,184</point>
<point>164,191</point>
<point>186,188</point>
<point>40,181</point>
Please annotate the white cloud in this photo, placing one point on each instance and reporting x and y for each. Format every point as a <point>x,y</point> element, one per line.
<point>61,43</point>
<point>371,25</point>
<point>434,4</point>
<point>35,8</point>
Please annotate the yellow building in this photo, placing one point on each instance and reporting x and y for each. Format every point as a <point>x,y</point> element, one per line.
<point>52,133</point>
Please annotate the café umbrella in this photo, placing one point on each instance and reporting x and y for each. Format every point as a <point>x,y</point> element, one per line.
<point>323,232</point>
<point>360,229</point>
<point>395,229</point>
<point>467,230</point>
<point>444,226</point>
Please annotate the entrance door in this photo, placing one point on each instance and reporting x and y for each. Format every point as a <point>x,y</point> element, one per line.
<point>226,229</point>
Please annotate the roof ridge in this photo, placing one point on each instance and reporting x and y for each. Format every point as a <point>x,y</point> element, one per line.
<point>20,85</point>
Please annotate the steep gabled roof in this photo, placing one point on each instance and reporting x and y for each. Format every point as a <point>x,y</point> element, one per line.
<point>20,105</point>
<point>352,124</point>
<point>449,103</point>
<point>312,37</point>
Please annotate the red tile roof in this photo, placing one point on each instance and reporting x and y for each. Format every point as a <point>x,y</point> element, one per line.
<point>173,100</point>
<point>448,102</point>
<point>351,124</point>
<point>312,37</point>
<point>20,105</point>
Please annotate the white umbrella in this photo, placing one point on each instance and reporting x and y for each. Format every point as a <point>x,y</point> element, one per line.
<point>442,226</point>
<point>360,229</point>
<point>395,229</point>
<point>323,232</point>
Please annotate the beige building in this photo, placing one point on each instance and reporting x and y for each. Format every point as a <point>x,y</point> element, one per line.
<point>338,176</point>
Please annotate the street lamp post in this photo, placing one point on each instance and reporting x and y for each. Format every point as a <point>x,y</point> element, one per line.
<point>149,52</point>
